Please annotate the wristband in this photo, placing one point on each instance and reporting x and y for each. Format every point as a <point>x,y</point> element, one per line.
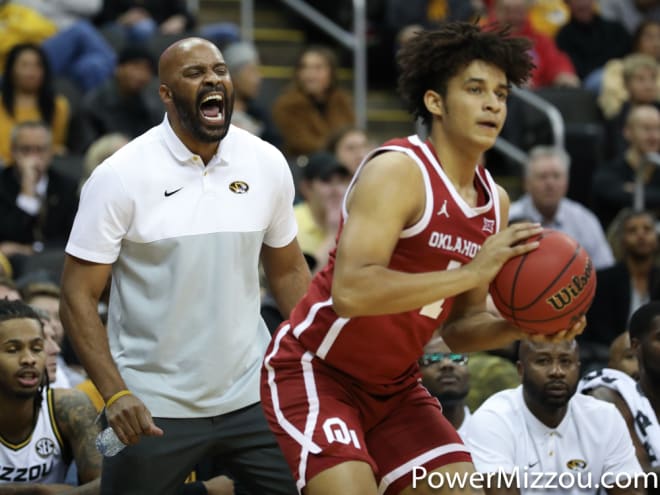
<point>117,396</point>
<point>195,488</point>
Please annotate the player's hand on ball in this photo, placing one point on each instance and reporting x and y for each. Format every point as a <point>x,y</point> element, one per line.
<point>501,247</point>
<point>568,334</point>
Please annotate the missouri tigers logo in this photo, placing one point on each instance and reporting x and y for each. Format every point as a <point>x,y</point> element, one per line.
<point>239,187</point>
<point>576,465</point>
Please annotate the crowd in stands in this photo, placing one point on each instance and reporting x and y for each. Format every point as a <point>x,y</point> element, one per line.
<point>79,80</point>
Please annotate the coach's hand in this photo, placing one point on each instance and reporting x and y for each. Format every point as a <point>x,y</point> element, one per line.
<point>130,419</point>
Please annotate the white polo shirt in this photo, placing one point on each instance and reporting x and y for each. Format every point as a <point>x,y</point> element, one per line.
<point>592,438</point>
<point>183,322</point>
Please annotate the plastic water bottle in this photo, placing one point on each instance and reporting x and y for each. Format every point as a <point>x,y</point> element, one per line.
<point>108,443</point>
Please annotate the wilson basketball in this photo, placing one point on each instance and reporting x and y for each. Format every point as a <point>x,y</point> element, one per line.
<point>548,289</point>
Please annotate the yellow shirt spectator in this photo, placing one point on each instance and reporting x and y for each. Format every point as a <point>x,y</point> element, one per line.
<point>20,24</point>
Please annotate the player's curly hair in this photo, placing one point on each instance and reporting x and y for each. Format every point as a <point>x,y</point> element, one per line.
<point>432,57</point>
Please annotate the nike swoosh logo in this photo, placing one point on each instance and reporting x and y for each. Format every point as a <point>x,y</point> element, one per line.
<point>169,193</point>
<point>532,464</point>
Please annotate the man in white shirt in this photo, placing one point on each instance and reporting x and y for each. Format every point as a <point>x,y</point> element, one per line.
<point>545,201</point>
<point>550,439</point>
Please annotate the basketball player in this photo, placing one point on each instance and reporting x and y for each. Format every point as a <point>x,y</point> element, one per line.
<point>340,379</point>
<point>638,401</point>
<point>41,430</point>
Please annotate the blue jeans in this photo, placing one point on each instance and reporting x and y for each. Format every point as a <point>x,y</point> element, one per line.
<point>81,54</point>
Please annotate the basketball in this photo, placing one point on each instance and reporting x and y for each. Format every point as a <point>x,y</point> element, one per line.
<point>548,289</point>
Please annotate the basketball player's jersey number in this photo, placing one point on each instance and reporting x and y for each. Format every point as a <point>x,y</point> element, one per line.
<point>336,430</point>
<point>434,309</point>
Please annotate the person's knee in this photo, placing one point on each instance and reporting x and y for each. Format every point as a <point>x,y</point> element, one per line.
<point>90,71</point>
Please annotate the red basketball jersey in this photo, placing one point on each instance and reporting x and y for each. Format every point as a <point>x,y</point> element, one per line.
<point>382,351</point>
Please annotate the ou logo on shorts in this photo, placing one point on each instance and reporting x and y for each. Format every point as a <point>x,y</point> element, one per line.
<point>335,430</point>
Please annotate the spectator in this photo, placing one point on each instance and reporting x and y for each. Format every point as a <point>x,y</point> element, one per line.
<point>545,201</point>
<point>104,147</point>
<point>77,51</point>
<point>137,21</point>
<point>640,78</point>
<point>45,296</point>
<point>553,67</point>
<point>613,93</point>
<point>37,203</point>
<point>124,104</point>
<point>28,94</point>
<point>219,190</point>
<point>243,62</point>
<point>350,145</point>
<point>637,400</point>
<point>623,356</point>
<point>624,287</point>
<point>446,377</point>
<point>614,183</point>
<point>314,106</point>
<point>544,427</point>
<point>324,182</point>
<point>582,40</point>
<point>630,13</point>
<point>43,430</point>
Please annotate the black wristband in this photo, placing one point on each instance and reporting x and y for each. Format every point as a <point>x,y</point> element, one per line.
<point>195,488</point>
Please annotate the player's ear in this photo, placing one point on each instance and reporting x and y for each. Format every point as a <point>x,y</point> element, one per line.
<point>434,103</point>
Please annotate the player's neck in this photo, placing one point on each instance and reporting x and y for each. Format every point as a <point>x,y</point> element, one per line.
<point>16,418</point>
<point>459,163</point>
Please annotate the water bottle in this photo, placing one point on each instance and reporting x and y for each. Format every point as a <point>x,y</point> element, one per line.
<point>108,443</point>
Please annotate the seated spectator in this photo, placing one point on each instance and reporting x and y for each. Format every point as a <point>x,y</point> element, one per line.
<point>582,40</point>
<point>28,94</point>
<point>45,296</point>
<point>613,93</point>
<point>136,21</point>
<point>545,201</point>
<point>76,51</point>
<point>98,151</point>
<point>615,182</point>
<point>43,430</point>
<point>350,145</point>
<point>641,82</point>
<point>623,357</point>
<point>630,13</point>
<point>548,16</point>
<point>446,377</point>
<point>243,62</point>
<point>553,67</point>
<point>637,400</point>
<point>544,427</point>
<point>37,203</point>
<point>625,286</point>
<point>128,102</point>
<point>313,106</point>
<point>324,182</point>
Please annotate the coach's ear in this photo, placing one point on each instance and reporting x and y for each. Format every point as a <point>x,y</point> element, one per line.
<point>434,103</point>
<point>165,93</point>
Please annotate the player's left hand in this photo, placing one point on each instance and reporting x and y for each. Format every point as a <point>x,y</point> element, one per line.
<point>568,334</point>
